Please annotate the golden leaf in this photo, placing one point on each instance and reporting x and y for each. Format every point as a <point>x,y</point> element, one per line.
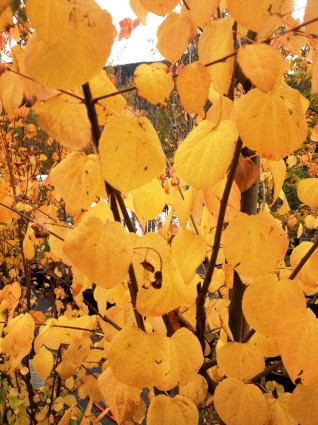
<point>130,152</point>
<point>308,273</point>
<point>259,116</point>
<point>215,43</point>
<point>307,191</point>
<point>239,403</point>
<point>299,359</point>
<point>65,119</point>
<point>154,82</point>
<point>122,399</point>
<point>43,362</point>
<point>193,84</point>
<point>266,344</point>
<point>279,410</point>
<point>149,200</point>
<point>241,361</point>
<point>196,390</point>
<point>278,299</point>
<point>250,14</point>
<point>247,237</point>
<point>11,91</point>
<point>72,42</point>
<point>189,251</point>
<point>140,11</point>
<point>303,404</point>
<point>152,359</point>
<point>159,7</point>
<point>174,35</point>
<point>172,411</point>
<point>77,179</point>
<point>201,11</point>
<point>278,171</point>
<point>262,64</point>
<point>204,156</point>
<point>102,252</point>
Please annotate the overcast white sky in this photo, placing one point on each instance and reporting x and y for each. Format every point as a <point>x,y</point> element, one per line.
<point>142,43</point>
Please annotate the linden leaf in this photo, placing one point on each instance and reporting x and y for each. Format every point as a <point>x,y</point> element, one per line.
<point>189,354</point>
<point>201,10</point>
<point>122,399</point>
<point>250,14</point>
<point>241,361</point>
<point>11,91</point>
<point>299,359</point>
<point>259,118</point>
<point>102,252</point>
<point>204,156</point>
<point>149,200</point>
<point>267,345</point>
<point>71,43</point>
<point>154,82</point>
<point>196,390</point>
<point>172,411</point>
<point>238,403</point>
<point>65,119</point>
<point>152,359</point>
<point>222,108</point>
<point>77,179</point>
<point>28,246</point>
<point>247,237</point>
<point>130,152</point>
<point>279,299</point>
<point>279,410</point>
<point>43,362</point>
<point>308,274</point>
<point>189,251</point>
<point>307,191</point>
<point>215,43</point>
<point>139,10</point>
<point>303,404</point>
<point>174,35</point>
<point>262,64</point>
<point>278,171</point>
<point>193,84</point>
<point>159,7</point>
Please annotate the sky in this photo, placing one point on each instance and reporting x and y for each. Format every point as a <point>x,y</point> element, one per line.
<point>141,45</point>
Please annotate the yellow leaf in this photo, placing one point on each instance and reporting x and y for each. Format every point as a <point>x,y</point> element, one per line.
<point>222,108</point>
<point>215,43</point>
<point>101,85</point>
<point>182,205</point>
<point>204,156</point>
<point>239,403</point>
<point>65,119</point>
<point>300,230</point>
<point>4,4</point>
<point>77,179</point>
<point>72,42</point>
<point>247,237</point>
<point>11,91</point>
<point>196,390</point>
<point>159,7</point>
<point>130,151</point>
<point>262,64</point>
<point>268,299</point>
<point>149,200</point>
<point>154,82</point>
<point>278,171</point>
<point>174,35</point>
<point>189,251</point>
<point>172,411</point>
<point>260,114</point>
<point>102,252</point>
<point>266,344</point>
<point>43,362</point>
<point>122,399</point>
<point>74,356</point>
<point>28,247</point>
<point>309,272</point>
<point>303,404</point>
<point>213,195</point>
<point>5,19</point>
<point>189,354</point>
<point>250,14</point>
<point>152,359</point>
<point>279,410</point>
<point>140,11</point>
<point>299,359</point>
<point>241,361</point>
<point>311,12</point>
<point>201,10</point>
<point>307,191</point>
<point>193,87</point>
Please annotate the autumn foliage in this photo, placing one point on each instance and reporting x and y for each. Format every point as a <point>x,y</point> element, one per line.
<point>186,314</point>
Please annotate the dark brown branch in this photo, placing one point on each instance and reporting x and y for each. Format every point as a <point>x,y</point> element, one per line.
<point>267,371</point>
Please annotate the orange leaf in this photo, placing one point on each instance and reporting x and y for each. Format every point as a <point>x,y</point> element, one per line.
<point>127,25</point>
